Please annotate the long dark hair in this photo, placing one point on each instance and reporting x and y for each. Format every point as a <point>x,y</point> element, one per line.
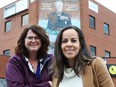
<point>59,61</point>
<point>40,32</point>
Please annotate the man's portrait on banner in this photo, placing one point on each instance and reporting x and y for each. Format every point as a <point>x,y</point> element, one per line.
<point>54,15</point>
<point>58,19</point>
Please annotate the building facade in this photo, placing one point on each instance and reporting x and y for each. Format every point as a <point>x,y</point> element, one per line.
<point>96,22</point>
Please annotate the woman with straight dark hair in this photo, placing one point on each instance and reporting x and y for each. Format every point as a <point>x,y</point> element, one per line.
<point>73,66</point>
<point>29,66</point>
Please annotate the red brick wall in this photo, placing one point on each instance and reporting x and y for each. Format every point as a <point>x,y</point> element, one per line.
<point>96,37</point>
<point>8,40</point>
<point>3,61</point>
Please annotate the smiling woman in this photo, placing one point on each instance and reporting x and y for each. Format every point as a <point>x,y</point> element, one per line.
<point>29,66</point>
<point>70,45</point>
<point>73,65</point>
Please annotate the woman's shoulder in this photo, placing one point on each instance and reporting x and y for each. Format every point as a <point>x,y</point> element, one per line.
<point>15,58</point>
<point>98,61</point>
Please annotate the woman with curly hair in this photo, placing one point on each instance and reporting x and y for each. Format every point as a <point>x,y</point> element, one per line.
<point>29,66</point>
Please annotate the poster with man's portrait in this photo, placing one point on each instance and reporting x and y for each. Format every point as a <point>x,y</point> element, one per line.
<point>54,15</point>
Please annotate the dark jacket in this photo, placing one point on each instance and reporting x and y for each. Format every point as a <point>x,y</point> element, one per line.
<point>18,73</point>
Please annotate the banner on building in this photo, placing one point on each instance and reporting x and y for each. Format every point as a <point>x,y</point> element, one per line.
<point>54,15</point>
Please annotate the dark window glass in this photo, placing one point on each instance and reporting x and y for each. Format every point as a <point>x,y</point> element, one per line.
<point>107,53</point>
<point>92,21</point>
<point>106,28</point>
<point>93,50</point>
<point>7,26</point>
<point>6,52</point>
<point>25,19</point>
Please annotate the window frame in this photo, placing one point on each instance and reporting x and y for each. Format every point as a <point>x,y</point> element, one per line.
<point>109,53</point>
<point>94,50</point>
<point>107,33</point>
<point>7,30</point>
<point>22,19</point>
<point>94,25</point>
<point>8,52</point>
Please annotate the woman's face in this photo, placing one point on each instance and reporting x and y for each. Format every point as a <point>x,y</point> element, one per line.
<point>70,44</point>
<point>32,42</point>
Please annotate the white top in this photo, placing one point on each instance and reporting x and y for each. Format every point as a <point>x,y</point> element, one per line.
<point>70,79</point>
<point>30,65</point>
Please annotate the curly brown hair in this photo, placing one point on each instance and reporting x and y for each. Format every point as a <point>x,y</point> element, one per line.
<point>40,32</point>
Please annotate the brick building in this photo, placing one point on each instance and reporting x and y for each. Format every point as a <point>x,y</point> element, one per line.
<point>3,61</point>
<point>96,22</point>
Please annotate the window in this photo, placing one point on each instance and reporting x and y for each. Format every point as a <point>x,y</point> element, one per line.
<point>6,52</point>
<point>93,50</point>
<point>2,82</point>
<point>24,19</point>
<point>7,26</point>
<point>92,21</point>
<point>107,53</point>
<point>9,11</point>
<point>16,7</point>
<point>21,5</point>
<point>106,28</point>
